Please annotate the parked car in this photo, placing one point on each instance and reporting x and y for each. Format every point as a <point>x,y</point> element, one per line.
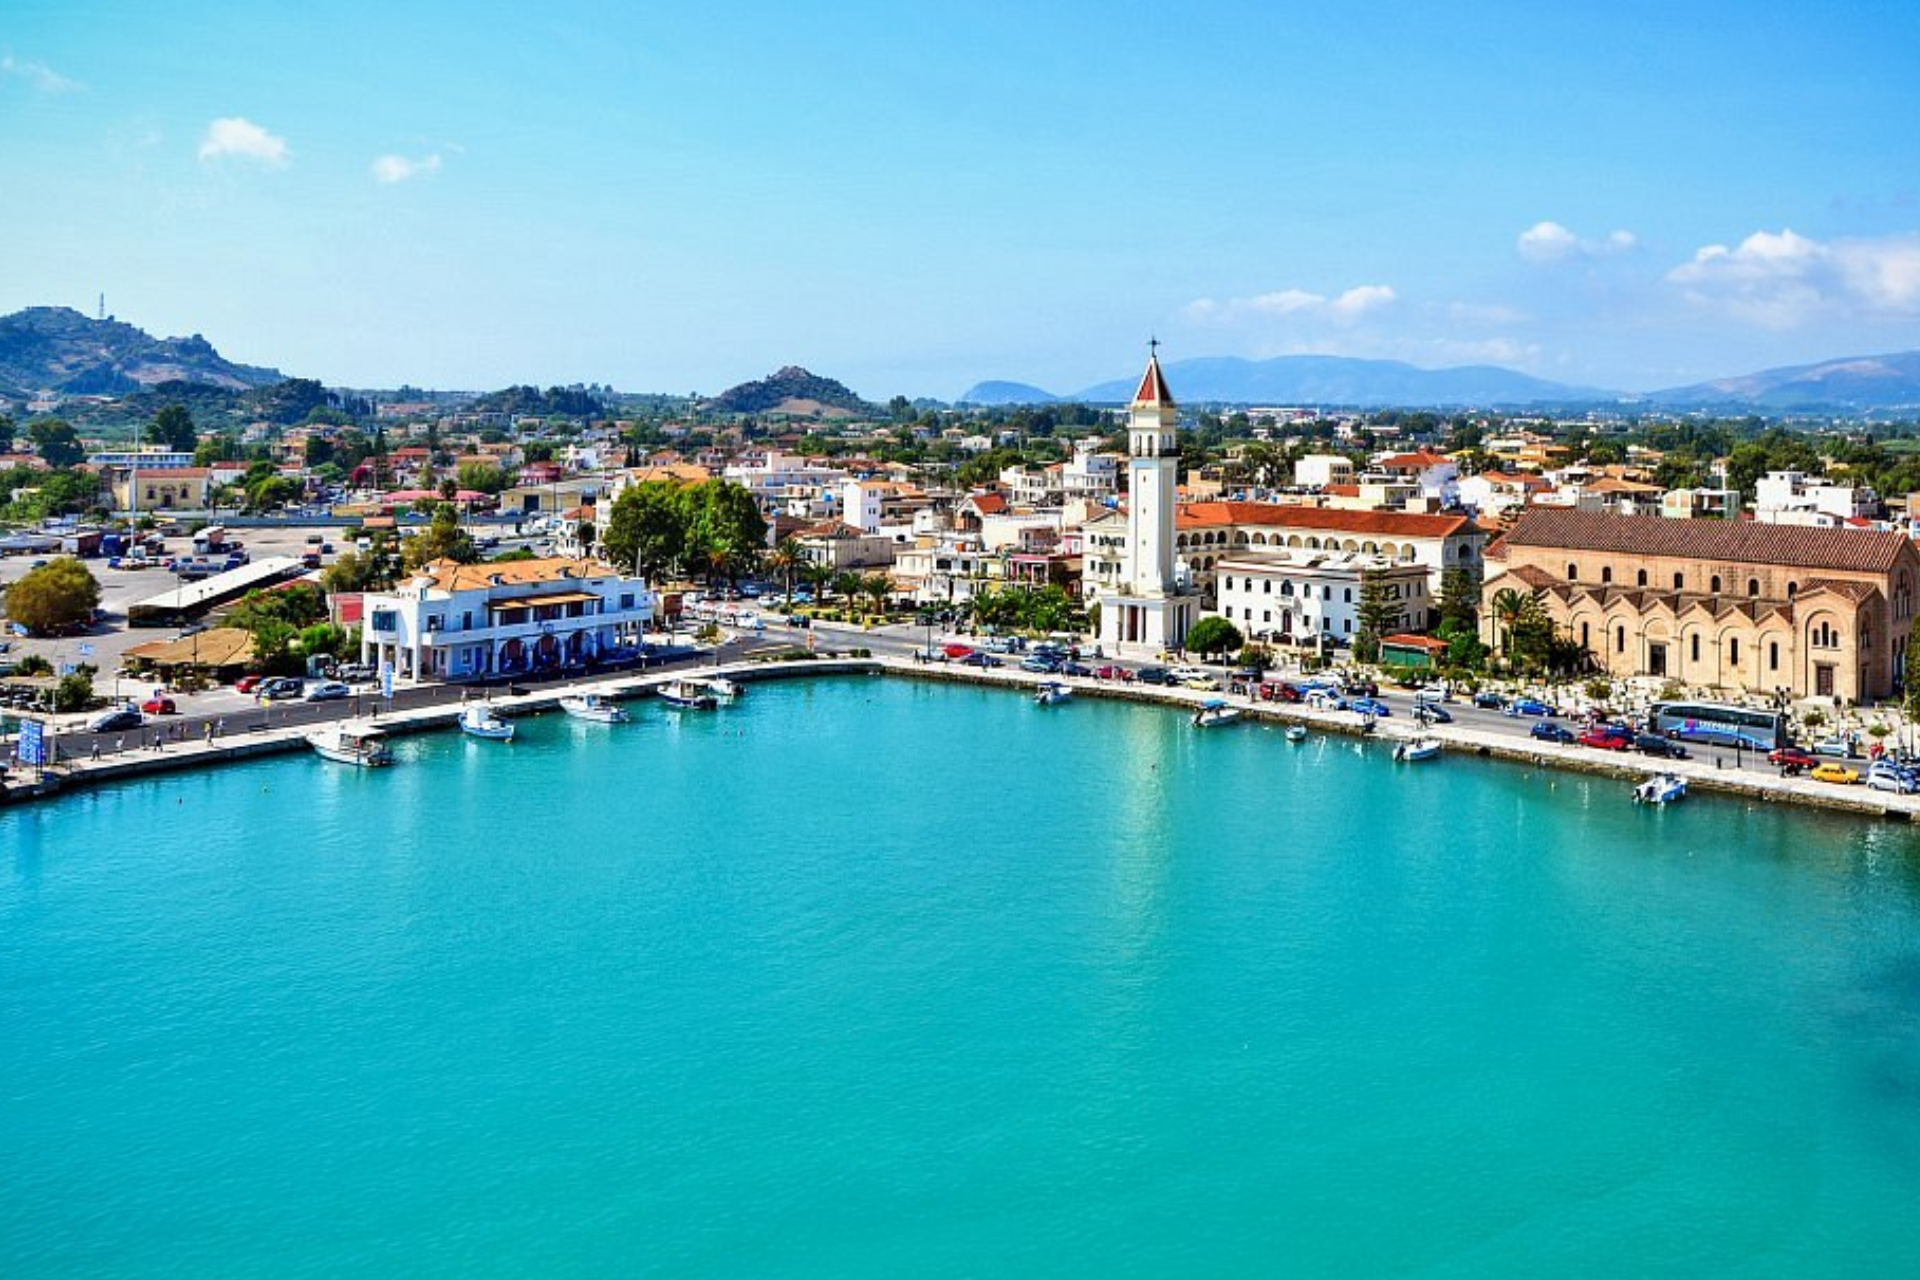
<point>1434,713</point>
<point>1839,745</point>
<point>1886,776</point>
<point>1792,758</point>
<point>1154,675</point>
<point>278,689</point>
<point>1653,744</point>
<point>1072,668</point>
<point>1203,681</point>
<point>247,684</point>
<point>1182,674</point>
<point>1834,771</point>
<point>1489,701</point>
<point>1607,737</point>
<point>959,652</point>
<point>1370,707</point>
<point>1112,672</point>
<point>1281,691</point>
<point>159,706</point>
<point>975,658</point>
<point>1552,731</point>
<point>114,718</point>
<point>1530,707</point>
<point>1040,663</point>
<point>326,691</point>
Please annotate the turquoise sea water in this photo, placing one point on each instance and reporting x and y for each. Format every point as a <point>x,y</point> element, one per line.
<point>870,978</point>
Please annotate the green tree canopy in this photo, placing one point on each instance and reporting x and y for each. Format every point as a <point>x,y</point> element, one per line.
<point>173,427</point>
<point>442,539</point>
<point>56,441</point>
<point>1211,635</point>
<point>59,594</point>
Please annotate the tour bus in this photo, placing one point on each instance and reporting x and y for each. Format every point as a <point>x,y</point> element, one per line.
<point>1719,725</point>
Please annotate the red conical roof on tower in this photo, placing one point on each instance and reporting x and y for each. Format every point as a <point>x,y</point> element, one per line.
<point>1153,384</point>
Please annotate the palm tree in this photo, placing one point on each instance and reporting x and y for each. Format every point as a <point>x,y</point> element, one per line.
<point>847,583</point>
<point>1512,607</point>
<point>877,586</point>
<point>784,559</point>
<point>816,576</point>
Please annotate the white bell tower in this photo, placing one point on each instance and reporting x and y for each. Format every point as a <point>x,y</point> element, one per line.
<point>1150,615</point>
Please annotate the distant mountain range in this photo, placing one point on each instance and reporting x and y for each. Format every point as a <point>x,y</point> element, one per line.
<point>59,349</point>
<point>1858,382</point>
<point>1851,384</point>
<point>794,391</point>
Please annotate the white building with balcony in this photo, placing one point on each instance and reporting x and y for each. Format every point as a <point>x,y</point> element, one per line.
<point>1314,597</point>
<point>453,621</point>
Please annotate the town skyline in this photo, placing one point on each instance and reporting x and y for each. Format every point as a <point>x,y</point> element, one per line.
<point>1629,200</point>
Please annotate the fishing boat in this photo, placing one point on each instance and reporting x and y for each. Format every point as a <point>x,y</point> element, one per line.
<point>1051,693</point>
<point>1661,788</point>
<point>479,720</point>
<point>1417,749</point>
<point>355,742</point>
<point>593,706</point>
<point>724,689</point>
<point>1215,712</point>
<point>1296,733</point>
<point>688,695</point>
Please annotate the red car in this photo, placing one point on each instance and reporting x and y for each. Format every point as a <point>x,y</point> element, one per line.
<point>958,652</point>
<point>1792,758</point>
<point>159,707</point>
<point>245,684</point>
<point>1607,737</point>
<point>1111,672</point>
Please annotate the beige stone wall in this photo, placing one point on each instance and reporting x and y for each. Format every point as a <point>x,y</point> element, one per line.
<point>1832,643</point>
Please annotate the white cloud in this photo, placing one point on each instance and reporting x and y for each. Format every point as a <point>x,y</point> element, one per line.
<point>1347,308</point>
<point>1551,242</point>
<point>38,74</point>
<point>390,169</point>
<point>1783,280</point>
<point>243,139</point>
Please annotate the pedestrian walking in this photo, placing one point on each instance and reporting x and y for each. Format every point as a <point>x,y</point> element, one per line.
<point>94,754</point>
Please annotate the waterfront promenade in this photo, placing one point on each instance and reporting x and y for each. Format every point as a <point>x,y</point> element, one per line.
<point>433,708</point>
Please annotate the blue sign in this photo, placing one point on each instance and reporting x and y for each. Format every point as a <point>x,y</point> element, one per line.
<point>386,680</point>
<point>86,651</point>
<point>33,742</point>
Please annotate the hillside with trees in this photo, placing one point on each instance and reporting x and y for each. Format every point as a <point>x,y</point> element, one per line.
<point>795,391</point>
<point>59,349</point>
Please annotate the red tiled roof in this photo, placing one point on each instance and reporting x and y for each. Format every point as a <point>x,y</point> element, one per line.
<point>988,504</point>
<point>1409,461</point>
<point>1209,515</point>
<point>1791,546</point>
<point>1153,385</point>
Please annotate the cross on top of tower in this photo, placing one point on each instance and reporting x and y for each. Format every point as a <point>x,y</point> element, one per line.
<point>1153,384</point>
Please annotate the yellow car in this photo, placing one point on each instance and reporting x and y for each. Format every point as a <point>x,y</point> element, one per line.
<point>1831,772</point>
<point>1203,682</point>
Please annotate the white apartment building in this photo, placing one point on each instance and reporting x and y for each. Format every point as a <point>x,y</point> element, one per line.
<point>1790,497</point>
<point>1318,470</point>
<point>450,621</point>
<point>1309,597</point>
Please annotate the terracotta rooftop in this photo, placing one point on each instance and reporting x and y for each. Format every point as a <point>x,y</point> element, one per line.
<point>1732,541</point>
<point>1153,385</point>
<point>446,575</point>
<point>1212,515</point>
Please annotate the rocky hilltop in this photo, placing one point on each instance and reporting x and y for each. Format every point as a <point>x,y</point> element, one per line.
<point>793,390</point>
<point>59,349</point>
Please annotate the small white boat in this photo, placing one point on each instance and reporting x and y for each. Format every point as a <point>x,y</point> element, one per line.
<point>1296,733</point>
<point>1215,712</point>
<point>688,695</point>
<point>593,706</point>
<point>355,742</point>
<point>1661,788</point>
<point>478,720</point>
<point>1417,749</point>
<point>1051,693</point>
<point>724,689</point>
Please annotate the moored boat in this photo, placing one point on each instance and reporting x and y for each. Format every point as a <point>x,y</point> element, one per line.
<point>478,720</point>
<point>354,742</point>
<point>1051,693</point>
<point>724,689</point>
<point>1661,788</point>
<point>593,706</point>
<point>1416,749</point>
<point>1296,733</point>
<point>1215,712</point>
<point>688,695</point>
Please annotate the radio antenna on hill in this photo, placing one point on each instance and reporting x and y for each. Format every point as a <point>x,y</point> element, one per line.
<point>103,307</point>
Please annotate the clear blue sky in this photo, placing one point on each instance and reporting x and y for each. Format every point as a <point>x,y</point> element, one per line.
<point>913,197</point>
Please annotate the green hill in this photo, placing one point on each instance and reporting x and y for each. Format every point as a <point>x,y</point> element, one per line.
<point>793,390</point>
<point>58,349</point>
